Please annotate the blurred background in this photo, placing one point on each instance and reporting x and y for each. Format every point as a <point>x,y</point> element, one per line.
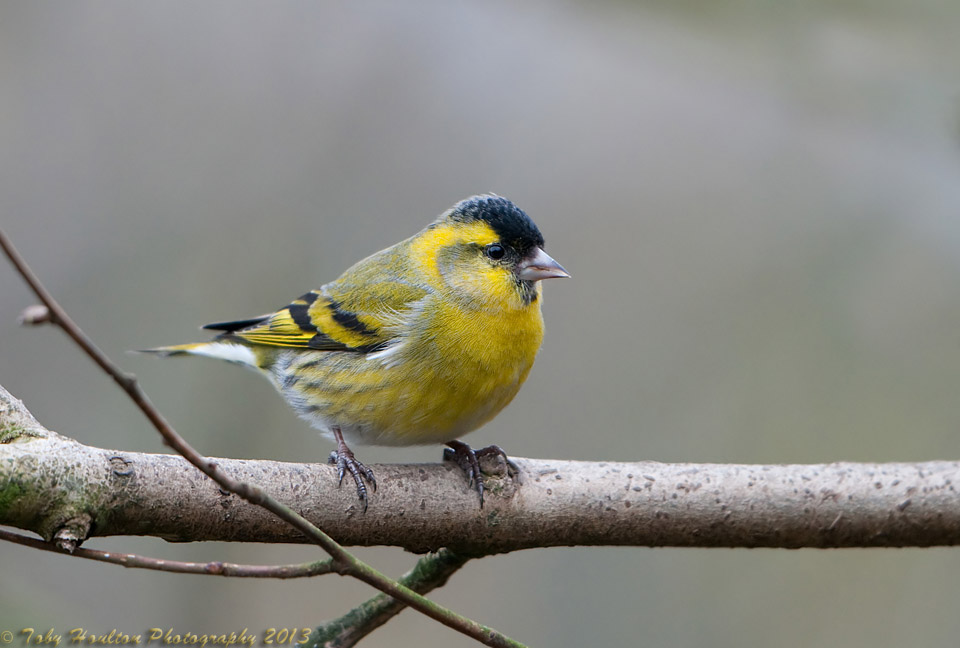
<point>759,203</point>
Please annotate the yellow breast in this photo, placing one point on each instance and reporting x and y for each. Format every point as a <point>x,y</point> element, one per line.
<point>481,360</point>
<point>454,371</point>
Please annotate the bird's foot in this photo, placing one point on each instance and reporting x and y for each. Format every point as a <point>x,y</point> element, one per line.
<point>346,462</point>
<point>469,461</point>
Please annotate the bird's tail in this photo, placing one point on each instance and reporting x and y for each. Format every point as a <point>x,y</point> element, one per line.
<point>175,350</point>
<point>229,351</point>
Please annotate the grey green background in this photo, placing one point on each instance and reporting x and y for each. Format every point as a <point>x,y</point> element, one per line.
<point>759,203</point>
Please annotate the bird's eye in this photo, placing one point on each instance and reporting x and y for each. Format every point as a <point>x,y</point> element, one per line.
<point>495,251</point>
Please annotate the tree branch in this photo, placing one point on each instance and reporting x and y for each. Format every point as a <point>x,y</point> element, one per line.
<point>216,568</point>
<point>48,482</point>
<point>430,572</point>
<point>67,492</point>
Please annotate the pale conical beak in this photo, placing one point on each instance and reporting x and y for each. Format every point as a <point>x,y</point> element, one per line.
<point>539,265</point>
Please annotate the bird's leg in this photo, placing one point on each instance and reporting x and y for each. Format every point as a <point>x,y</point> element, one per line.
<point>468,460</point>
<point>346,462</point>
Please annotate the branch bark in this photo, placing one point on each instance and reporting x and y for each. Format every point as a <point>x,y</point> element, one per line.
<point>60,488</point>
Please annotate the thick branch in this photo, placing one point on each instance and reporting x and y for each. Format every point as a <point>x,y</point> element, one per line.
<point>49,482</point>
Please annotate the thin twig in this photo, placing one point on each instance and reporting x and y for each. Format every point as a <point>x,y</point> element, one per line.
<point>344,562</point>
<point>216,568</point>
<point>430,572</point>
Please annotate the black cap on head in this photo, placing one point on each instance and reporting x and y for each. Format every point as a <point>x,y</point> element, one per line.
<point>511,223</point>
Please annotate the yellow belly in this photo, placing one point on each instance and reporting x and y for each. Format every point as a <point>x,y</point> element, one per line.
<point>449,377</point>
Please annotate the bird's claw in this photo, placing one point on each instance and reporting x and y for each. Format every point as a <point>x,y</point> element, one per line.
<point>346,462</point>
<point>469,461</point>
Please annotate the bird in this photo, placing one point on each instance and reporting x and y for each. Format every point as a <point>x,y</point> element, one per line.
<point>417,344</point>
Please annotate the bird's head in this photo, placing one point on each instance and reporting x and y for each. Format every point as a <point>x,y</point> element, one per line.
<point>490,252</point>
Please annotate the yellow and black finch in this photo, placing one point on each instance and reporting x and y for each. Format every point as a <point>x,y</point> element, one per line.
<point>419,343</point>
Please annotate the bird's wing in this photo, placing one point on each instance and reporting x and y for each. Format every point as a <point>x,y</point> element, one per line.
<point>362,312</point>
